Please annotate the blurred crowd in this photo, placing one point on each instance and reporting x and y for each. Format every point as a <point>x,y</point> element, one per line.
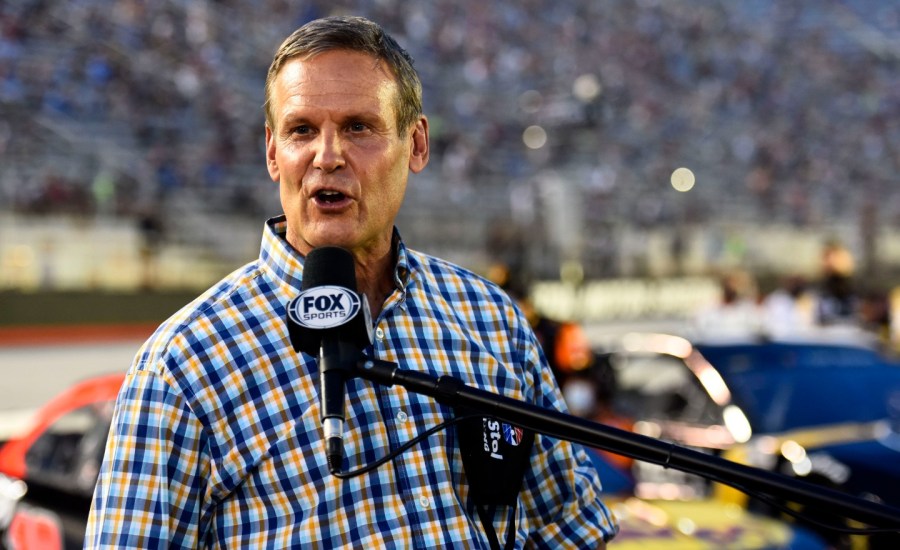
<point>836,303</point>
<point>785,110</point>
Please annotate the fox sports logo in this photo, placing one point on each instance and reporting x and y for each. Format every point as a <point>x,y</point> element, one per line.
<point>324,306</point>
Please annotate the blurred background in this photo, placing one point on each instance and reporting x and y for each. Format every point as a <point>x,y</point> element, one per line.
<point>619,161</point>
<point>573,141</point>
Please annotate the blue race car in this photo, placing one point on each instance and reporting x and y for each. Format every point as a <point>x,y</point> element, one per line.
<point>825,412</point>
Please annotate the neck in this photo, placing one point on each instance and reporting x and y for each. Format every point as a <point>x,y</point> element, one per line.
<point>375,279</point>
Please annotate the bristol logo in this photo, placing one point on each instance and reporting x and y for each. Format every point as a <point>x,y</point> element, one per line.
<point>324,306</point>
<point>512,434</point>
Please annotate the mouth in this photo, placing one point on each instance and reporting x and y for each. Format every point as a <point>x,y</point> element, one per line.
<point>329,197</point>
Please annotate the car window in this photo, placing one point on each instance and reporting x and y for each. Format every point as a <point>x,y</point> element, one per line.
<point>740,358</point>
<point>661,387</point>
<point>786,386</point>
<point>70,450</point>
<point>777,400</point>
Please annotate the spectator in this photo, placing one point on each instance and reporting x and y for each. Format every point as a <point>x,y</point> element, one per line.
<point>789,309</point>
<point>619,89</point>
<point>736,314</point>
<point>837,302</point>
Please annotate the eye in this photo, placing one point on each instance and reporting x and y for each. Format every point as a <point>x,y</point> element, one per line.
<point>357,127</point>
<point>301,130</point>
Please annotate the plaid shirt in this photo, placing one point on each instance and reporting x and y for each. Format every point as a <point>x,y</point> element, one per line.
<point>216,440</point>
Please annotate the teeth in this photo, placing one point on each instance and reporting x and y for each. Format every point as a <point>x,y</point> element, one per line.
<point>330,196</point>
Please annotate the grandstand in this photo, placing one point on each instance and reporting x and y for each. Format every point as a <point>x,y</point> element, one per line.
<point>130,112</point>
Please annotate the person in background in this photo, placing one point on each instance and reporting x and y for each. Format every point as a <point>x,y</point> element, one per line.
<point>789,308</point>
<point>588,380</point>
<point>590,393</point>
<point>216,439</point>
<point>875,317</point>
<point>564,343</point>
<point>837,303</point>
<point>737,312</point>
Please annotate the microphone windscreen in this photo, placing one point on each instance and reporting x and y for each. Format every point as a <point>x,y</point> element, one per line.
<point>329,265</point>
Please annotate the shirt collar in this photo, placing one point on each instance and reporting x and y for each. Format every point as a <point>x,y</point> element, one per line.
<point>401,267</point>
<point>287,264</point>
<point>279,257</point>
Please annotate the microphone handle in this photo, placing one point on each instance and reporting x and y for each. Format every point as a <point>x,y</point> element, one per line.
<point>336,361</point>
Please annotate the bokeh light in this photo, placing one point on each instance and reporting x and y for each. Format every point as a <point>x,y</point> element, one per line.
<point>683,180</point>
<point>534,137</point>
<point>586,87</point>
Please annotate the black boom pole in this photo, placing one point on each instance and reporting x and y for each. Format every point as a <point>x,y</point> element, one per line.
<point>453,392</point>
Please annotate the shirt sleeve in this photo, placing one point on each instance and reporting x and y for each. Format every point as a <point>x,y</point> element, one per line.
<point>563,498</point>
<point>561,495</point>
<point>152,483</point>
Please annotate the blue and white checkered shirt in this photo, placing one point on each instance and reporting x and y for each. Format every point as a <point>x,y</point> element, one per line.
<point>216,440</point>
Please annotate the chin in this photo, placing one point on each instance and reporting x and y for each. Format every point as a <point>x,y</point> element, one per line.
<point>321,234</point>
<point>341,240</point>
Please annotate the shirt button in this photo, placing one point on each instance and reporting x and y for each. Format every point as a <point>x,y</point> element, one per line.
<point>424,502</point>
<point>379,333</point>
<point>402,416</point>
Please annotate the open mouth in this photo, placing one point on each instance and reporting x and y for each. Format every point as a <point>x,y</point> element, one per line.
<point>330,197</point>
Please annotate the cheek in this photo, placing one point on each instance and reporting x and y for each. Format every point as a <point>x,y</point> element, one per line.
<point>289,194</point>
<point>291,160</point>
<point>393,198</point>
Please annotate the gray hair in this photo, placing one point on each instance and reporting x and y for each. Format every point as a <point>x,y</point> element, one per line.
<point>355,34</point>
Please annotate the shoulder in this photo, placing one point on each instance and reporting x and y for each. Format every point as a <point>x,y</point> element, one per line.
<point>197,327</point>
<point>442,290</point>
<point>445,277</point>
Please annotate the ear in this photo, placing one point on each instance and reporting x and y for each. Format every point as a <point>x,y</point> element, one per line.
<point>271,163</point>
<point>419,149</point>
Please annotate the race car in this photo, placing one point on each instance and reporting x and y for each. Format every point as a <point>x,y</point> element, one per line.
<point>48,474</point>
<point>824,411</point>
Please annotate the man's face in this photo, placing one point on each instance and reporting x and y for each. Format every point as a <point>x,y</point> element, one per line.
<point>337,154</point>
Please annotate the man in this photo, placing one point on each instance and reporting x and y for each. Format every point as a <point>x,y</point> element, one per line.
<point>216,440</point>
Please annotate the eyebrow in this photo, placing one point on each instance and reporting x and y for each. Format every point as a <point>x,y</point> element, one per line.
<point>293,120</point>
<point>374,118</point>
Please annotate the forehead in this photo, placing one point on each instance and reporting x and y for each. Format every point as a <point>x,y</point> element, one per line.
<point>338,79</point>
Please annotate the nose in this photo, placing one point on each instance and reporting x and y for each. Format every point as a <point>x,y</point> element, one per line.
<point>329,151</point>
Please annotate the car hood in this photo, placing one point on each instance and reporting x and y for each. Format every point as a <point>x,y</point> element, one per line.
<point>864,468</point>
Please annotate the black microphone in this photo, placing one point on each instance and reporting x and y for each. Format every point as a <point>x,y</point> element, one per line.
<point>329,319</point>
